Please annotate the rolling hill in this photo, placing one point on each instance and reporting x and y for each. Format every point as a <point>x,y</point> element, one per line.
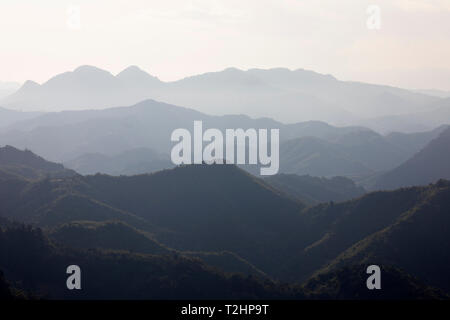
<point>112,140</point>
<point>197,208</point>
<point>27,165</point>
<point>437,115</point>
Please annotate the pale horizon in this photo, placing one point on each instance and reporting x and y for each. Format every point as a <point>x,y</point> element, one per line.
<point>177,39</point>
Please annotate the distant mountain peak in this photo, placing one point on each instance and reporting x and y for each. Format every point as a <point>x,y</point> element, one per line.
<point>88,68</point>
<point>29,84</point>
<point>134,72</point>
<point>132,68</point>
<point>232,69</point>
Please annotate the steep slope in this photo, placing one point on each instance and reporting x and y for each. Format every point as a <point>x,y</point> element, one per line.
<point>116,235</point>
<point>427,166</point>
<point>53,201</point>
<point>410,143</point>
<point>27,165</point>
<point>418,241</point>
<point>332,228</point>
<point>106,235</point>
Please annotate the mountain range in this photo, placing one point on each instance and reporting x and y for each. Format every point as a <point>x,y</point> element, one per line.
<point>427,166</point>
<point>415,121</point>
<point>299,95</point>
<point>230,219</point>
<point>86,178</point>
<point>99,141</point>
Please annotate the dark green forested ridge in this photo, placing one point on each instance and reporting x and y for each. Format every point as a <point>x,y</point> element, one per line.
<point>123,275</point>
<point>107,235</point>
<point>120,274</point>
<point>335,228</point>
<point>200,216</point>
<point>418,240</point>
<point>27,165</point>
<point>349,282</point>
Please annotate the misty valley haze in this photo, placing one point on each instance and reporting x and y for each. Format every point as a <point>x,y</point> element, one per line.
<point>224,159</point>
<point>258,149</point>
<point>281,94</point>
<point>152,187</point>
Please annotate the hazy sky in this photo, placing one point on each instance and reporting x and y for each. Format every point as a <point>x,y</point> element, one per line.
<point>172,39</point>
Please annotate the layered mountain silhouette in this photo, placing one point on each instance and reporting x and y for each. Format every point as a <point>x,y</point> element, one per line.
<point>117,235</point>
<point>167,227</point>
<point>427,166</point>
<point>104,235</point>
<point>27,165</point>
<point>359,153</point>
<point>143,276</point>
<point>437,115</point>
<point>435,92</point>
<point>300,95</point>
<point>84,139</point>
